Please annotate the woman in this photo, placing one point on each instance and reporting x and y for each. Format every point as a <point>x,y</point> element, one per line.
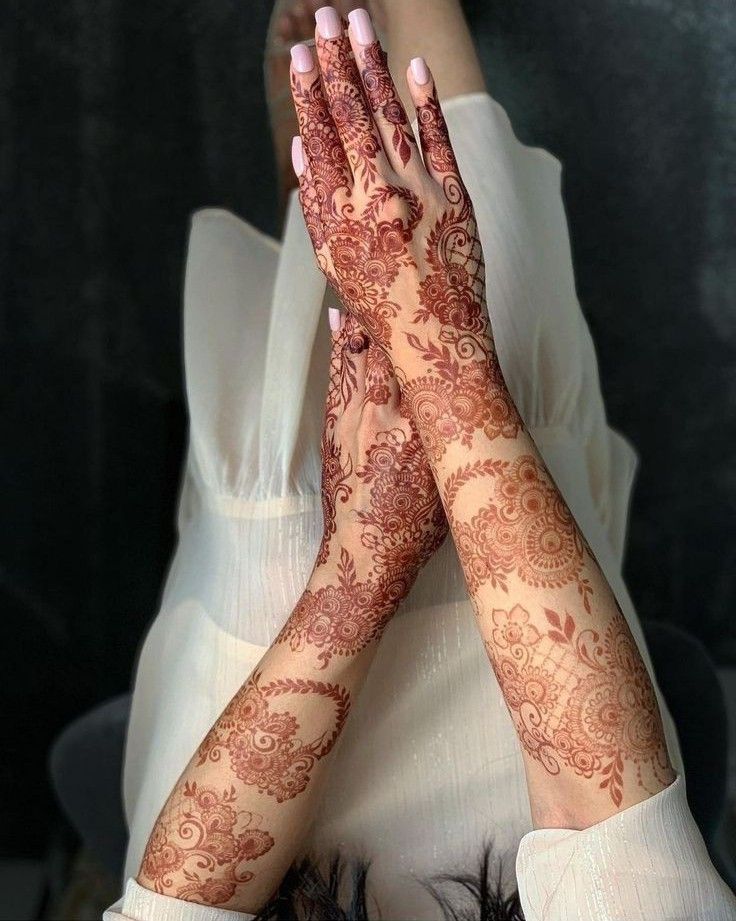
<point>444,769</point>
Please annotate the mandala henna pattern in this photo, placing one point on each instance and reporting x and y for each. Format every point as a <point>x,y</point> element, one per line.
<point>526,529</point>
<point>205,838</point>
<point>580,698</point>
<point>262,743</point>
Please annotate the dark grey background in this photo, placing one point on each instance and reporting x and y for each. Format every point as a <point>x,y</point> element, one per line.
<point>119,118</point>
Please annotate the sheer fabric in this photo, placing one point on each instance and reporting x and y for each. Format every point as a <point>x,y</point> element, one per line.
<point>429,766</point>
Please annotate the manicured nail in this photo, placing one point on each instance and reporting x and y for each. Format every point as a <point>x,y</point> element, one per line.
<point>335,317</point>
<point>329,23</point>
<point>420,71</point>
<point>362,27</point>
<point>297,155</point>
<point>301,59</point>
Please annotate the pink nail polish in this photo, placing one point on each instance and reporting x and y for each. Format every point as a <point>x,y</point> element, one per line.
<point>301,59</point>
<point>420,71</point>
<point>335,317</point>
<point>297,155</point>
<point>362,27</point>
<point>329,23</point>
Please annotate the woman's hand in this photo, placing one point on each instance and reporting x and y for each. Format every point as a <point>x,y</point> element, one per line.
<point>386,229</point>
<point>383,518</point>
<point>395,234</point>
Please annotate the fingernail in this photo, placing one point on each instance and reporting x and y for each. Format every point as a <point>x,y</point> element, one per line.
<point>297,155</point>
<point>362,27</point>
<point>301,58</point>
<point>420,71</point>
<point>335,317</point>
<point>329,23</point>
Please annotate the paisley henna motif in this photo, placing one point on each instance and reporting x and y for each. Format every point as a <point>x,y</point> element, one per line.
<point>579,698</point>
<point>262,743</point>
<point>205,838</point>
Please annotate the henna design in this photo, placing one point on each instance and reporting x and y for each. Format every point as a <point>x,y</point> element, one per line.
<point>459,399</point>
<point>203,836</point>
<point>435,138</point>
<point>527,529</point>
<point>342,619</point>
<point>336,471</point>
<point>379,378</point>
<point>262,744</point>
<point>579,698</point>
<point>348,109</point>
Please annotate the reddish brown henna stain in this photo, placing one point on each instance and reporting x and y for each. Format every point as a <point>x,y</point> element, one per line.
<point>384,100</point>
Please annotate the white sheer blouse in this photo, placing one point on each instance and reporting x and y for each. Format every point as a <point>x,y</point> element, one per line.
<point>429,766</point>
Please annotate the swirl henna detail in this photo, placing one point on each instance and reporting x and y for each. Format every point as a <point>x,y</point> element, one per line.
<point>382,98</point>
<point>262,743</point>
<point>205,838</point>
<point>580,698</point>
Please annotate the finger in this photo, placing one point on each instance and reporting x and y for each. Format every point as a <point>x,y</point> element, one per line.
<point>346,100</point>
<point>439,157</point>
<point>322,147</point>
<point>388,111</point>
<point>381,386</point>
<point>308,197</point>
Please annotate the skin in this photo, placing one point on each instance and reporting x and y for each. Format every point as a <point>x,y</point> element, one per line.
<point>235,819</point>
<point>397,240</point>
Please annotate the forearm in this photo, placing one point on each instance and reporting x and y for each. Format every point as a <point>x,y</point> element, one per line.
<point>575,684</point>
<point>237,816</point>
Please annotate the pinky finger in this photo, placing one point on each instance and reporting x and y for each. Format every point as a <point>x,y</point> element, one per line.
<point>439,157</point>
<point>307,193</point>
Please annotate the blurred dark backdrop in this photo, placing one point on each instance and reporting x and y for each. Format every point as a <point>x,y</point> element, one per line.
<point>117,119</point>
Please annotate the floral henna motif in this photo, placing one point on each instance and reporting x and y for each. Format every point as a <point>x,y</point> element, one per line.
<point>526,529</point>
<point>579,698</point>
<point>348,110</point>
<point>262,743</point>
<point>435,139</point>
<point>459,399</point>
<point>382,97</point>
<point>204,837</point>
